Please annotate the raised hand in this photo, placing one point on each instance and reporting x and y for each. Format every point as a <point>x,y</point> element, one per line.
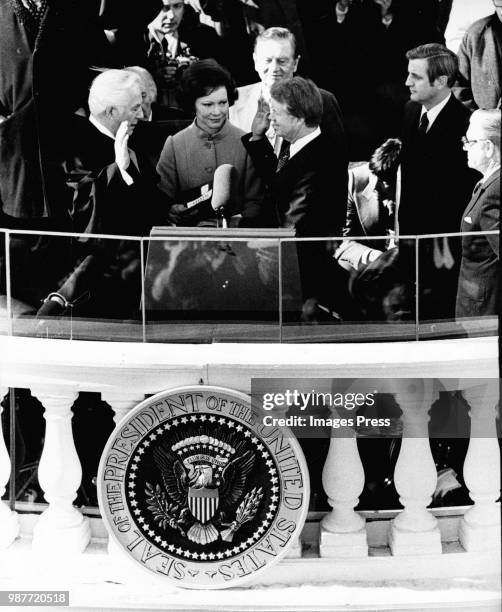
<point>261,120</point>
<point>122,158</point>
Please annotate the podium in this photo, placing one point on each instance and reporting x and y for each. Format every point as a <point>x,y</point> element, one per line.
<point>220,275</point>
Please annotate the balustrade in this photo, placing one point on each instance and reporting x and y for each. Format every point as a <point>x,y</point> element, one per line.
<point>343,531</point>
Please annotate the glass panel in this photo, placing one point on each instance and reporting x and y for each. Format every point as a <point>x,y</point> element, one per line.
<point>212,290</point>
<point>458,278</point>
<point>97,282</point>
<point>348,290</point>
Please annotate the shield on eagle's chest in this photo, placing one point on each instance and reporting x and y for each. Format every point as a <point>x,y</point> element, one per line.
<point>203,503</point>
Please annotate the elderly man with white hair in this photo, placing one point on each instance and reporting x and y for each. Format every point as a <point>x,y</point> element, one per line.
<point>114,193</point>
<point>148,90</point>
<point>107,176</point>
<point>478,283</point>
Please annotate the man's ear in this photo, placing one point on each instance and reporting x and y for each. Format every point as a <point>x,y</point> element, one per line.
<point>490,148</point>
<point>297,59</point>
<point>112,112</point>
<point>441,81</point>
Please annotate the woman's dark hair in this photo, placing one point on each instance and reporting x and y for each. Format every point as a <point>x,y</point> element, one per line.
<point>200,79</point>
<point>385,160</point>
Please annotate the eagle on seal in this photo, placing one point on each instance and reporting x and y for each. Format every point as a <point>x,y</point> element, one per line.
<point>203,478</point>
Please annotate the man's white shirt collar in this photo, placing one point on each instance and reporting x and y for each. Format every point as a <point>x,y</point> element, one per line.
<point>487,174</point>
<point>433,112</point>
<point>172,40</point>
<point>303,142</point>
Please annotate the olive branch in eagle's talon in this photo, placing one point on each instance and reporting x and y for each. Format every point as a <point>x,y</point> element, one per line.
<point>245,512</point>
<point>164,513</point>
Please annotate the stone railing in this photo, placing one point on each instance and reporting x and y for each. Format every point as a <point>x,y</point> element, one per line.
<point>56,371</point>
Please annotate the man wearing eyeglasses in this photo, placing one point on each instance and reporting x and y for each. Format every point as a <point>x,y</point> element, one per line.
<point>478,283</point>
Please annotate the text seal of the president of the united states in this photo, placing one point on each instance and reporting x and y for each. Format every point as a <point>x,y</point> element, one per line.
<point>195,488</point>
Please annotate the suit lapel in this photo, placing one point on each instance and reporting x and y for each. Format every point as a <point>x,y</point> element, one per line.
<point>480,192</point>
<point>491,50</point>
<point>411,121</point>
<point>442,121</point>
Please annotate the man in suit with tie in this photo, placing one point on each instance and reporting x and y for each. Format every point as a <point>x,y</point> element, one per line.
<point>436,181</point>
<point>435,178</point>
<point>300,183</point>
<point>276,59</point>
<point>478,283</point>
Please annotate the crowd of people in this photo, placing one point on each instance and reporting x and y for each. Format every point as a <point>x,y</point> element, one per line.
<point>194,113</point>
<point>371,120</point>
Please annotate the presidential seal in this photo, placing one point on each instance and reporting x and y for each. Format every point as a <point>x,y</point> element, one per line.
<point>196,489</point>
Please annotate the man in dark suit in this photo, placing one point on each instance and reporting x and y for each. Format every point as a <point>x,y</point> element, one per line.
<point>478,283</point>
<point>276,58</point>
<point>170,38</point>
<point>300,184</point>
<point>435,179</point>
<point>46,49</point>
<point>113,193</point>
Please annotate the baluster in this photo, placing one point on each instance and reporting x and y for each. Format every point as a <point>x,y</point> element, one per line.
<point>61,526</point>
<point>9,524</point>
<point>343,530</point>
<point>120,403</point>
<point>480,525</point>
<point>415,530</point>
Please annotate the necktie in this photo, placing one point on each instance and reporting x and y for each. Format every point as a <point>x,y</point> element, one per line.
<point>165,47</point>
<point>477,188</point>
<point>283,155</point>
<point>424,124</point>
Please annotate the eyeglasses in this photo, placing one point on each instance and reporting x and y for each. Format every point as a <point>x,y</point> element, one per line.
<point>467,144</point>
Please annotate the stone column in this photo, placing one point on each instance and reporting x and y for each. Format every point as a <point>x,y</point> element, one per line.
<point>9,524</point>
<point>480,525</point>
<point>61,527</point>
<point>343,531</point>
<point>415,530</point>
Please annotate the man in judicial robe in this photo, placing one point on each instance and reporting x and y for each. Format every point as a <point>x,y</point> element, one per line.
<point>114,192</point>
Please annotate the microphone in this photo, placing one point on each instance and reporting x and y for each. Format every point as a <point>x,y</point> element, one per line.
<point>56,303</point>
<point>224,187</point>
